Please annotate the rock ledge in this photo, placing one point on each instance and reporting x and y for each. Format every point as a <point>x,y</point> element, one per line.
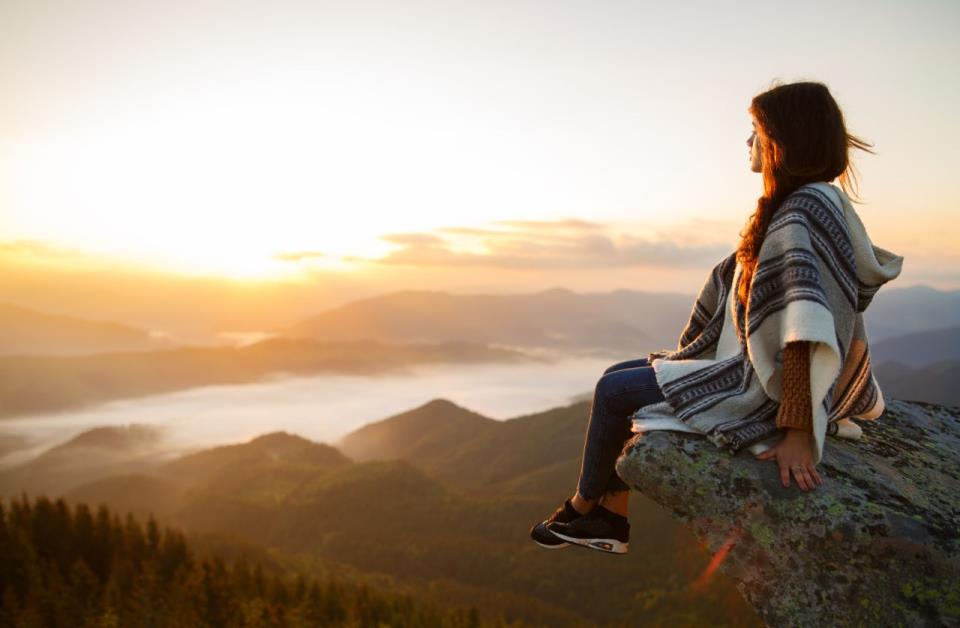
<point>876,544</point>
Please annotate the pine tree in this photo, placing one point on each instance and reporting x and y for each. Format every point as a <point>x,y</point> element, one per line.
<point>63,568</point>
<point>314,609</point>
<point>335,607</point>
<point>153,536</point>
<point>102,544</point>
<point>135,541</point>
<point>84,536</point>
<point>242,576</point>
<point>85,593</point>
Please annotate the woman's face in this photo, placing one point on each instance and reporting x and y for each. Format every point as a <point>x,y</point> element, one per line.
<point>756,165</point>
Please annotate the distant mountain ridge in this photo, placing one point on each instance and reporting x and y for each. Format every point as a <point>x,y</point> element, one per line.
<point>36,384</point>
<point>90,455</point>
<point>272,448</point>
<point>622,322</point>
<point>918,349</point>
<point>475,454</point>
<point>602,323</point>
<point>901,311</point>
<point>26,331</point>
<point>935,383</point>
<point>616,323</point>
<point>426,432</point>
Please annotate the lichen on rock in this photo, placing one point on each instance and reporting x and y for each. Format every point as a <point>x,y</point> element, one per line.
<point>877,544</point>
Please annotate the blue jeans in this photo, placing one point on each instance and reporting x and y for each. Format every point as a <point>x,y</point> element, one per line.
<point>623,388</point>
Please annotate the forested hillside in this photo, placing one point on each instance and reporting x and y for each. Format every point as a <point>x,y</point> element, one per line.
<point>439,500</point>
<point>73,567</point>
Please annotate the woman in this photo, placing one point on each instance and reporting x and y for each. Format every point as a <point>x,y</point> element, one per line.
<point>775,355</point>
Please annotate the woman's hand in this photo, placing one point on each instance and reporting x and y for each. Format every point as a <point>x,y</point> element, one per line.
<point>794,453</point>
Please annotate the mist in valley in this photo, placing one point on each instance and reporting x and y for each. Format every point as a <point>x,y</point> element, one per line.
<point>321,408</point>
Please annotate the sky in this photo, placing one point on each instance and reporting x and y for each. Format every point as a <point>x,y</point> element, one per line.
<point>455,143</point>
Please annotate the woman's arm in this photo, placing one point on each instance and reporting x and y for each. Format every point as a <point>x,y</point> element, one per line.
<point>794,454</point>
<point>795,409</point>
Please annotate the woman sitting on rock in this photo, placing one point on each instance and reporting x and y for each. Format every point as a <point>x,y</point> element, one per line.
<point>774,356</point>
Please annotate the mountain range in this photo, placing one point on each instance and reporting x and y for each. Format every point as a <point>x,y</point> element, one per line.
<point>613,323</point>
<point>610,323</point>
<point>560,319</point>
<point>32,384</point>
<point>438,498</point>
<point>27,331</point>
<point>918,349</point>
<point>934,383</point>
<point>57,363</point>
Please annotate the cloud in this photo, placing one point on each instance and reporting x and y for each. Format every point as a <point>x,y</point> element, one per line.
<point>568,224</point>
<point>52,254</point>
<point>38,248</point>
<point>470,231</point>
<point>299,256</point>
<point>531,244</point>
<point>413,238</point>
<point>543,229</point>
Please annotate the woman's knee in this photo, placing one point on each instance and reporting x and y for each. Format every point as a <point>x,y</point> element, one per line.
<point>601,388</point>
<point>623,392</point>
<point>626,364</point>
<point>604,390</point>
<point>612,367</point>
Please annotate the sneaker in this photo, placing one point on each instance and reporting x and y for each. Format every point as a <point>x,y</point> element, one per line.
<point>599,529</point>
<point>545,538</point>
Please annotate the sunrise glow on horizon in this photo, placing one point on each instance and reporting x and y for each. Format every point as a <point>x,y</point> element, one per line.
<point>257,143</point>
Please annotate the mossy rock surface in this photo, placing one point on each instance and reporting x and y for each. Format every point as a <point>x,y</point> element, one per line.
<point>876,545</point>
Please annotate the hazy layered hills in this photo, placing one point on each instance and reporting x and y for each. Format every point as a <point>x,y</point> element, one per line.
<point>203,311</point>
<point>524,455</point>
<point>35,384</point>
<point>611,323</point>
<point>28,331</point>
<point>900,311</point>
<point>918,327</point>
<point>934,383</point>
<point>276,449</point>
<point>603,323</point>
<point>402,329</point>
<point>923,366</point>
<point>439,498</point>
<point>918,349</point>
<point>616,323</point>
<point>126,467</point>
<point>90,455</point>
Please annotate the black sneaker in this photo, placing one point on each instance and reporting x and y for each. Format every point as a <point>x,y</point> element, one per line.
<point>599,529</point>
<point>545,538</point>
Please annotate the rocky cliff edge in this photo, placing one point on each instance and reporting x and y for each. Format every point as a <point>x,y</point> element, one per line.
<point>875,545</point>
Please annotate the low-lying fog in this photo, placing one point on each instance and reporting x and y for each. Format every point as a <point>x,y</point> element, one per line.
<point>321,408</point>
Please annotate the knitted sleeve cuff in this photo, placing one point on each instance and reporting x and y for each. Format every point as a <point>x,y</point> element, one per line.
<point>795,409</point>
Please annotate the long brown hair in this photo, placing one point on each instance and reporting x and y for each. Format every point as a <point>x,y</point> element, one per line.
<point>803,139</point>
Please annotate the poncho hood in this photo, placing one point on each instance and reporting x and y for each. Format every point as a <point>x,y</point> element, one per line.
<point>875,266</point>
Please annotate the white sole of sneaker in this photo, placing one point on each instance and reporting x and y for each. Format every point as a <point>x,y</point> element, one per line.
<point>611,546</point>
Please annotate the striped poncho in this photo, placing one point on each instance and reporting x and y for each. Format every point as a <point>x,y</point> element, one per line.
<point>816,273</point>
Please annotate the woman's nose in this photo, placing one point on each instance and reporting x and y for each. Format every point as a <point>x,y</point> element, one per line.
<point>750,141</point>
